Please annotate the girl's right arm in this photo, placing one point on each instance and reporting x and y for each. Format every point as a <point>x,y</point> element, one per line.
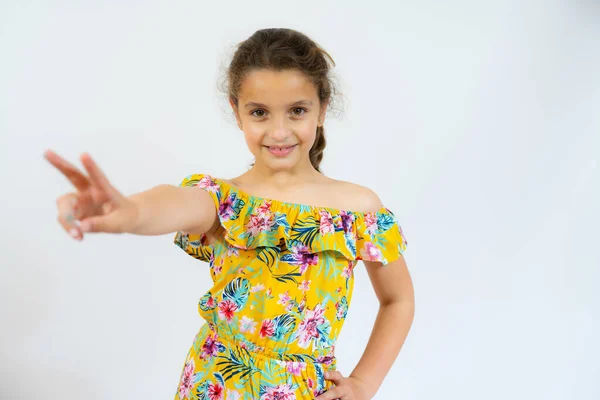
<point>98,207</point>
<point>167,208</point>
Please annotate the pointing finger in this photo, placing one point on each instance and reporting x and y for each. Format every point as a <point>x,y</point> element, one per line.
<point>79,180</point>
<point>98,177</point>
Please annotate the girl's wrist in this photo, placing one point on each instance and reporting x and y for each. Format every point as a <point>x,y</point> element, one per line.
<point>370,389</point>
<point>135,223</point>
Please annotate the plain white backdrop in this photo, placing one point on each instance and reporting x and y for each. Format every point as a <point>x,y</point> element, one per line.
<point>476,122</point>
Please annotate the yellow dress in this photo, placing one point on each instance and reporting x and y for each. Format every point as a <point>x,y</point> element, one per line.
<point>283,280</point>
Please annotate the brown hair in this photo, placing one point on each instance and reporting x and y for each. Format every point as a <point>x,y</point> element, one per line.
<point>279,49</point>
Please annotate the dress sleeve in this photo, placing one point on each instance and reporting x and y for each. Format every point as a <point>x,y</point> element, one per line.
<point>379,237</point>
<point>196,244</point>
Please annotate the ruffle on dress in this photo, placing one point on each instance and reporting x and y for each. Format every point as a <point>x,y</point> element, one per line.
<point>251,222</point>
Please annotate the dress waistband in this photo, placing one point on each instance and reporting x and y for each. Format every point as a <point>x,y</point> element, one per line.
<point>327,362</point>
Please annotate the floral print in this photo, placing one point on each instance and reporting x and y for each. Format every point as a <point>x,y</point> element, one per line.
<point>283,276</point>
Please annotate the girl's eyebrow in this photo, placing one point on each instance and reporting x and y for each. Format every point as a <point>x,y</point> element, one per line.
<point>298,103</point>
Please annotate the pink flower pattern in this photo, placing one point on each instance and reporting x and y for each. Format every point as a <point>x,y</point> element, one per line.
<point>186,382</point>
<point>227,309</point>
<point>370,252</point>
<point>279,392</point>
<point>371,222</point>
<point>267,328</point>
<point>326,222</point>
<point>309,330</point>
<point>261,220</point>
<point>211,347</point>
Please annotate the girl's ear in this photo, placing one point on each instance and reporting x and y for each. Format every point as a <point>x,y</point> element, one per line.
<point>235,112</point>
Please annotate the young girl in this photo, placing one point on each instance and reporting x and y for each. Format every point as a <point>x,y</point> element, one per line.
<point>281,240</point>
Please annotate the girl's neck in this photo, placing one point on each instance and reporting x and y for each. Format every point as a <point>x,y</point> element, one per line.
<point>260,176</point>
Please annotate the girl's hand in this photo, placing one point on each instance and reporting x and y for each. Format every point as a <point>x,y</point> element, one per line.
<point>350,388</point>
<point>96,206</point>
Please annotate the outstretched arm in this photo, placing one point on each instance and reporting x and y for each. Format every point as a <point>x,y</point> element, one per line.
<point>97,206</point>
<point>167,208</point>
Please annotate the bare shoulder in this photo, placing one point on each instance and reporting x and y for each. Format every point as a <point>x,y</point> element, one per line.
<point>356,197</point>
<point>328,192</point>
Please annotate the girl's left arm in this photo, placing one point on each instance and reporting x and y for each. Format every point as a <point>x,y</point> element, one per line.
<point>394,289</point>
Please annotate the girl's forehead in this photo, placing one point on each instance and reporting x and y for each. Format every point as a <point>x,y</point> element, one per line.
<point>277,86</point>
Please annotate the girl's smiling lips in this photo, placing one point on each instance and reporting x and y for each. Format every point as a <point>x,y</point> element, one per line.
<point>281,150</point>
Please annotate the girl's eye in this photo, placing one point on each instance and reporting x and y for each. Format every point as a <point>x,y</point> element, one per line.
<point>255,111</point>
<point>302,110</point>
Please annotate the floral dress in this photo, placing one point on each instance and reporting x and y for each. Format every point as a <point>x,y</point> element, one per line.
<point>283,280</point>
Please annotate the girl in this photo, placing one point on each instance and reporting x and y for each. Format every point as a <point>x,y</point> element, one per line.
<point>281,240</point>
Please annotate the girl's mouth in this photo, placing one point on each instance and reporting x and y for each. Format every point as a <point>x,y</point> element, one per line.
<point>281,151</point>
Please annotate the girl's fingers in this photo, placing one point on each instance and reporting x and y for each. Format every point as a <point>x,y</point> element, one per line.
<point>79,180</point>
<point>335,376</point>
<point>331,394</point>
<point>335,392</point>
<point>104,223</point>
<point>70,228</point>
<point>85,205</point>
<point>66,215</point>
<point>98,177</point>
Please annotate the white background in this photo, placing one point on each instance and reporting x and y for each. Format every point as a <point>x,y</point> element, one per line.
<point>476,122</point>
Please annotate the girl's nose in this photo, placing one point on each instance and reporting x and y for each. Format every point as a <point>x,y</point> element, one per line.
<point>280,131</point>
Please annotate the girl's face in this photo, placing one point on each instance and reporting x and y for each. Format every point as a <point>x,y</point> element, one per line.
<point>279,113</point>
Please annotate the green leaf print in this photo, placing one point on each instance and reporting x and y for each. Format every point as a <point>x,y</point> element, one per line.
<point>219,378</point>
<point>350,244</point>
<point>384,222</point>
<point>330,266</point>
<point>240,364</point>
<point>207,302</point>
<point>191,182</point>
<point>193,248</point>
<point>283,325</point>
<point>320,372</point>
<point>298,357</point>
<point>237,291</point>
<point>306,230</point>
<point>201,390</point>
<point>324,295</point>
<point>341,308</point>
<point>237,205</point>
<point>268,255</point>
<point>287,277</point>
<point>281,220</point>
